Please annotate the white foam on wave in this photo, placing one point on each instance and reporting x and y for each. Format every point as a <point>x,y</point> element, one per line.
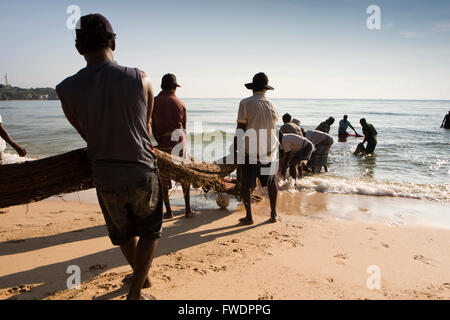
<point>9,158</point>
<point>330,184</point>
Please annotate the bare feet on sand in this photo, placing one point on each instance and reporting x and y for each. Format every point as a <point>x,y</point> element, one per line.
<point>168,215</point>
<point>190,214</point>
<point>129,278</point>
<point>274,219</point>
<point>245,220</point>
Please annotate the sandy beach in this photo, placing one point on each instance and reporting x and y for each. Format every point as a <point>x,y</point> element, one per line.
<point>315,252</point>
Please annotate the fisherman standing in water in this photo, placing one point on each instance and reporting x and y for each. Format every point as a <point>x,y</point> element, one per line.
<point>326,125</point>
<point>5,137</point>
<point>111,107</point>
<point>169,114</point>
<point>445,123</point>
<point>370,135</point>
<point>343,126</point>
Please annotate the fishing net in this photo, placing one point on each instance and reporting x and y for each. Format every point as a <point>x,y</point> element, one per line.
<point>30,181</point>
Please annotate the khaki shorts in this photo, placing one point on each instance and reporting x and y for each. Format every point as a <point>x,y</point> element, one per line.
<point>134,210</point>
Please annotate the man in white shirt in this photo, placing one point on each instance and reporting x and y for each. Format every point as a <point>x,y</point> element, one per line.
<point>256,145</point>
<point>294,149</point>
<point>323,143</point>
<point>5,137</point>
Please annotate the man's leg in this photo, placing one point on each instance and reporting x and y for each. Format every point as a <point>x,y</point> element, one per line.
<point>273,194</point>
<point>145,251</point>
<point>248,178</point>
<point>245,194</point>
<point>168,214</point>
<point>129,251</point>
<point>188,213</point>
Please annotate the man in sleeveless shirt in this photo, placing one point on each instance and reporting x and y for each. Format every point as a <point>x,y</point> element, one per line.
<point>111,106</point>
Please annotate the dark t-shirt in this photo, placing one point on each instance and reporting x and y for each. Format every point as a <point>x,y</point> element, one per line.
<point>169,114</point>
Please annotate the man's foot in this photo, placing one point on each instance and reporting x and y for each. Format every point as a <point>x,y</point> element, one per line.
<point>190,214</point>
<point>246,220</point>
<point>274,219</point>
<point>142,296</point>
<point>168,215</point>
<point>129,278</point>
<point>145,296</point>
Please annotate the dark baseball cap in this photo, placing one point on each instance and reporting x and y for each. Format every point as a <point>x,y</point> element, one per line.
<point>260,81</point>
<point>85,24</point>
<point>169,80</point>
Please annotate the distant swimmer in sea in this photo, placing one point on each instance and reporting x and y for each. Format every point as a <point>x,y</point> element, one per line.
<point>326,125</point>
<point>169,114</point>
<point>289,126</point>
<point>294,149</point>
<point>370,135</point>
<point>445,123</point>
<point>322,142</point>
<point>344,124</point>
<point>6,138</point>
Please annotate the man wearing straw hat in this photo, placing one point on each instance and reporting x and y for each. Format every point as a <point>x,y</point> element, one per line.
<point>257,119</point>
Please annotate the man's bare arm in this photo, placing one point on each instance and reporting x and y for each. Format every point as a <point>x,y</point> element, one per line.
<point>148,93</point>
<point>71,118</point>
<point>5,136</point>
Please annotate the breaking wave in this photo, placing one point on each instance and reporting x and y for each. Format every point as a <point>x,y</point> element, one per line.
<point>338,185</point>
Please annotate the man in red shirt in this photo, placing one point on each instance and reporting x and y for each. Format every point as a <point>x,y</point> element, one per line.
<point>169,114</point>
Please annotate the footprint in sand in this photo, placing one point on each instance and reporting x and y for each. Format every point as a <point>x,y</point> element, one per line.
<point>341,256</point>
<point>445,285</point>
<point>265,296</point>
<point>421,258</point>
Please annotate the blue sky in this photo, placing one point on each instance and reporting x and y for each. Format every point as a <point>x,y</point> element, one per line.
<point>309,49</point>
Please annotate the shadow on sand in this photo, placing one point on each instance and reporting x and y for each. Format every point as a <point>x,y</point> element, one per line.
<point>52,278</point>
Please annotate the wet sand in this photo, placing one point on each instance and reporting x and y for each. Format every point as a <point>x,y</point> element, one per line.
<point>320,250</point>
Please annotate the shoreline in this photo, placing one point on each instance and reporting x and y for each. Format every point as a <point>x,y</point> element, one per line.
<point>310,254</point>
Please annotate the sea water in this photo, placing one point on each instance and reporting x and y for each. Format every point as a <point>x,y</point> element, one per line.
<point>411,159</point>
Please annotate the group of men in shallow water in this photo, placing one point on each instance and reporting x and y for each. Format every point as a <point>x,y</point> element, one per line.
<point>313,146</point>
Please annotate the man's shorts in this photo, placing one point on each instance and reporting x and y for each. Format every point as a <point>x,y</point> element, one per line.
<point>133,210</point>
<point>319,157</point>
<point>251,172</point>
<point>305,153</point>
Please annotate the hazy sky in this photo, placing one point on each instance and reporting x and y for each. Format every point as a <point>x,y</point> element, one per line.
<point>309,49</point>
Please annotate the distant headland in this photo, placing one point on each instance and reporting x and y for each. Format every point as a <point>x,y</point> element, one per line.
<point>8,92</point>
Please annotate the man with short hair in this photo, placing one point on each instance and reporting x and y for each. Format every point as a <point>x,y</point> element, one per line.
<point>294,149</point>
<point>289,126</point>
<point>169,115</point>
<point>343,126</point>
<point>326,125</point>
<point>6,138</point>
<point>257,115</point>
<point>370,135</point>
<point>322,142</point>
<point>111,106</point>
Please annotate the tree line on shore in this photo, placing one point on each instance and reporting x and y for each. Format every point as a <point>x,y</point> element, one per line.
<point>16,93</point>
